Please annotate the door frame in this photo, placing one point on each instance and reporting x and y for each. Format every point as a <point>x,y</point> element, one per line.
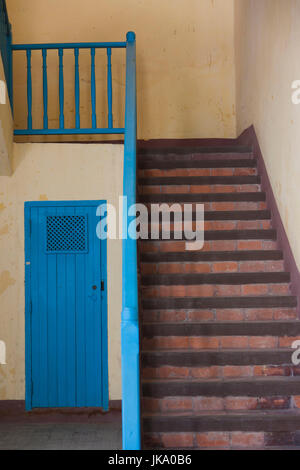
<point>103,262</point>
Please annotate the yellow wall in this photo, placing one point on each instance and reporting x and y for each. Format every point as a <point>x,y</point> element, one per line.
<point>53,172</point>
<point>267,62</point>
<point>185,62</point>
<point>6,129</point>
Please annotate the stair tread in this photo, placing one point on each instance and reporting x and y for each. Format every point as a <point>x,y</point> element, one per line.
<point>214,357</point>
<point>210,235</point>
<point>191,149</point>
<point>222,381</point>
<point>263,214</point>
<point>262,387</point>
<point>258,196</point>
<point>237,255</point>
<point>251,421</point>
<point>267,301</point>
<point>219,328</point>
<point>252,414</point>
<point>177,163</point>
<point>217,279</point>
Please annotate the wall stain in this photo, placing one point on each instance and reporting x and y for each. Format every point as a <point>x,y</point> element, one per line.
<point>5,281</point>
<point>4,230</point>
<point>2,206</point>
<point>43,197</point>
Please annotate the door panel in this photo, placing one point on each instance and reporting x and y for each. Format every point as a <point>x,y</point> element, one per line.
<point>68,354</point>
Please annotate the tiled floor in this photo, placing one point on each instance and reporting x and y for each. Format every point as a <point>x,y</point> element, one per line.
<point>62,436</point>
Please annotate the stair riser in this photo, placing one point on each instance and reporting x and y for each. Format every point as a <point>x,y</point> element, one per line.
<point>172,316</point>
<point>217,267</point>
<point>219,372</point>
<point>184,172</point>
<point>208,290</point>
<point>228,206</point>
<point>215,342</point>
<point>198,189</point>
<point>221,440</point>
<point>230,403</point>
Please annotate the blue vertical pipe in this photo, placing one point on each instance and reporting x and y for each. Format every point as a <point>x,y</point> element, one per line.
<point>61,89</point>
<point>109,89</point>
<point>93,89</point>
<point>29,90</point>
<point>131,430</point>
<point>77,109</point>
<point>45,88</point>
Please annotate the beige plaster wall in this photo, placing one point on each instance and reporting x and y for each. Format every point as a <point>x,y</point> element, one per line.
<point>267,42</point>
<point>185,62</point>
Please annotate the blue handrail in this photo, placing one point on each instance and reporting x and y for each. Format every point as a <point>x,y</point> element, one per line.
<point>130,323</point>
<point>60,47</point>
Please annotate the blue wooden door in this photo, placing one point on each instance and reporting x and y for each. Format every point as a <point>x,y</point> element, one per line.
<point>66,319</point>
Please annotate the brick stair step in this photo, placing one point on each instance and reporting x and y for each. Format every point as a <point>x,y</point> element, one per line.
<point>258,328</point>
<point>219,372</point>
<point>200,343</point>
<point>214,290</point>
<point>192,189</point>
<point>211,256</point>
<point>209,357</point>
<point>184,172</point>
<point>251,215</point>
<point>199,180</point>
<point>163,151</point>
<point>211,267</point>
<point>261,421</point>
<point>190,161</point>
<point>236,440</point>
<point>249,387</point>
<point>203,197</point>
<point>171,228</point>
<point>219,315</point>
<point>220,302</point>
<point>211,402</point>
<point>216,279</point>
<point>222,235</point>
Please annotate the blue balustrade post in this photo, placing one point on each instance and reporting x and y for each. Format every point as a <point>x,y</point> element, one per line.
<point>29,90</point>
<point>77,97</point>
<point>129,319</point>
<point>93,89</point>
<point>45,89</point>
<point>109,89</point>
<point>61,89</point>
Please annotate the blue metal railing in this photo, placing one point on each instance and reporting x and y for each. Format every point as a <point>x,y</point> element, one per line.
<point>76,47</point>
<point>130,323</point>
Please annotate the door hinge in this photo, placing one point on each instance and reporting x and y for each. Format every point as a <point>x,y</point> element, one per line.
<point>102,285</point>
<point>30,308</point>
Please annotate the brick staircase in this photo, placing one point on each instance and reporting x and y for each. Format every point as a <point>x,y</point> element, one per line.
<point>217,324</point>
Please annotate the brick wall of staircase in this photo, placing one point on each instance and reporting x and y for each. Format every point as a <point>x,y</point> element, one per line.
<point>217,324</point>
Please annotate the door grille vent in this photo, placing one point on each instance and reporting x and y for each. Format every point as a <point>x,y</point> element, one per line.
<point>66,234</point>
